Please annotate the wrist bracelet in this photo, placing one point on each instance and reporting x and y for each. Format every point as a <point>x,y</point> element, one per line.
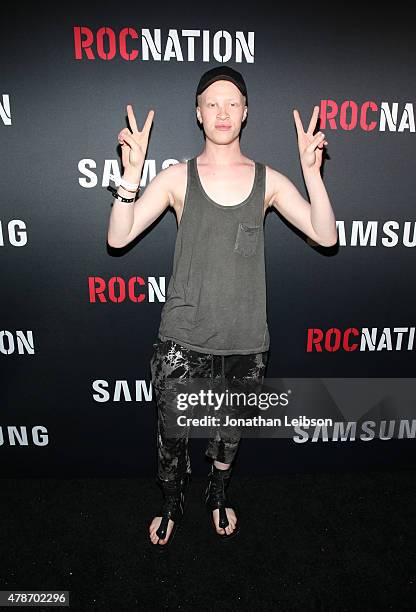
<point>129,190</point>
<point>123,183</point>
<point>120,197</point>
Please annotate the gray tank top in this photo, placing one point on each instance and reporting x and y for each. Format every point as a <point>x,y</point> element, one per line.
<point>216,297</point>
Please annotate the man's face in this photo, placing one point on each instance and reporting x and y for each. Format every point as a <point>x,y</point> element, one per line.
<point>221,111</point>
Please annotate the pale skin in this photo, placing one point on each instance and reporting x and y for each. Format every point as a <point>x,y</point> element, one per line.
<point>227,177</point>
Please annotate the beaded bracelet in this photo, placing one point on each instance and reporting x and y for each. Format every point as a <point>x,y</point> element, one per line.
<point>124,183</point>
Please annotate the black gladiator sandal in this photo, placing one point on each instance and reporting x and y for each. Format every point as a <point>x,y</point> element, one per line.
<point>215,497</point>
<point>174,504</point>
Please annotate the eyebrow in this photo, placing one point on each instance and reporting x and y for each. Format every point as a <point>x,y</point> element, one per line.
<point>234,99</point>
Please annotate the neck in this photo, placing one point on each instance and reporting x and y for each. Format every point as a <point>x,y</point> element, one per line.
<point>221,155</point>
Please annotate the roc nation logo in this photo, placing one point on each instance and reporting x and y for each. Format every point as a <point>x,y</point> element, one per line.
<point>118,289</point>
<point>132,44</point>
<point>335,340</point>
<point>367,116</point>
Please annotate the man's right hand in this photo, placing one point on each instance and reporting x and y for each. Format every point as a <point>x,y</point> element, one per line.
<point>134,143</point>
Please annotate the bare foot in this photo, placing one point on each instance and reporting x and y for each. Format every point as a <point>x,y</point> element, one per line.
<point>232,519</point>
<point>154,526</point>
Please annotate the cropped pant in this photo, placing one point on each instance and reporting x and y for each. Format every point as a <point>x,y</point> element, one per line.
<point>171,360</point>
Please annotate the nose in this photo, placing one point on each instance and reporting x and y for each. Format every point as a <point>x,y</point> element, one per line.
<point>222,112</point>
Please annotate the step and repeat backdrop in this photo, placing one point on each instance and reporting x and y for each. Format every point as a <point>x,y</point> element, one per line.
<point>79,318</point>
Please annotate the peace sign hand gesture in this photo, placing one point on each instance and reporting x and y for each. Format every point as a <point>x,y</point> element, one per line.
<point>134,143</point>
<point>310,147</point>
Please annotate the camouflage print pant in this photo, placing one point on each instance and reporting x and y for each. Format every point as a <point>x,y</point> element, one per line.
<point>171,360</point>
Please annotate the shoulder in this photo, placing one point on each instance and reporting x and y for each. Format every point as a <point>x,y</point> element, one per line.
<point>174,179</point>
<point>274,181</point>
<point>274,176</point>
<point>173,172</point>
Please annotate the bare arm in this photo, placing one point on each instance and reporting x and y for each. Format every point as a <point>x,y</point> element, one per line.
<point>312,218</point>
<point>129,220</point>
<point>315,218</point>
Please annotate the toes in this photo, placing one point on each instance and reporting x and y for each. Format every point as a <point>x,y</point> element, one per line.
<point>154,526</point>
<point>155,523</point>
<point>155,538</point>
<point>232,520</point>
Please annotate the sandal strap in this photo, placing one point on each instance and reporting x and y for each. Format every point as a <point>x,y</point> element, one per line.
<point>223,519</point>
<point>215,494</point>
<point>173,503</point>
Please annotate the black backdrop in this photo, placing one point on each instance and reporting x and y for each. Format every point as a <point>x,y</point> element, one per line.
<point>60,115</point>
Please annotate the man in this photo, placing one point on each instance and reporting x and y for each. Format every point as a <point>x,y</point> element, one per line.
<point>211,325</point>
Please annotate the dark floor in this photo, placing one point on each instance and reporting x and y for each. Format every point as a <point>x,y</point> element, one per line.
<point>307,542</point>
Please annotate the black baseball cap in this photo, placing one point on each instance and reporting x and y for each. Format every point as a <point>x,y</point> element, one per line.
<point>220,73</point>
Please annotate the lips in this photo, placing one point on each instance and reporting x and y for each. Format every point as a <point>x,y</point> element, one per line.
<point>223,127</point>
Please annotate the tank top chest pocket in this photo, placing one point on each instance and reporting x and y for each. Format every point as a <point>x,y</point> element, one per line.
<point>247,239</point>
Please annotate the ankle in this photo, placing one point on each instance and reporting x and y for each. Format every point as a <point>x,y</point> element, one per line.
<point>221,466</point>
